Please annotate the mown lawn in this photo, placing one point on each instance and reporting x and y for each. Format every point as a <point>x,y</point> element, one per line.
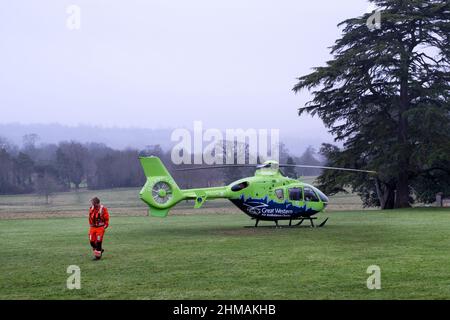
<point>212,256</point>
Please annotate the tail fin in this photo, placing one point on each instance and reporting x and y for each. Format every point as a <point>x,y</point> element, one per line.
<point>160,192</point>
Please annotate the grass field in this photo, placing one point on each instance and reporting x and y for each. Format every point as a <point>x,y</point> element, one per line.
<point>212,256</point>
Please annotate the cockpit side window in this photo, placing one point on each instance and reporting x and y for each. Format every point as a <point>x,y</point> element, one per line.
<point>321,195</point>
<point>280,194</point>
<point>239,186</point>
<point>310,195</point>
<point>295,194</point>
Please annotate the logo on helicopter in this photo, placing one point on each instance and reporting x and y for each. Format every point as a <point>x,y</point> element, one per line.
<point>255,207</point>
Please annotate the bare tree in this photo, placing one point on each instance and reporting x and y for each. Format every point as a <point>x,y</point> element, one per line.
<point>46,186</point>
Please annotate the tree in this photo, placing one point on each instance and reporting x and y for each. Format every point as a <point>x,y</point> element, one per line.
<point>7,146</point>
<point>152,150</point>
<point>119,169</point>
<point>308,158</point>
<point>6,172</point>
<point>290,172</point>
<point>29,141</point>
<point>72,158</point>
<point>23,171</point>
<point>283,153</point>
<point>95,151</point>
<point>46,185</point>
<point>47,182</point>
<point>386,94</point>
<point>231,150</point>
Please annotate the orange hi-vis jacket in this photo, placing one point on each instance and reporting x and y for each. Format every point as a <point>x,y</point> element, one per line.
<point>98,217</point>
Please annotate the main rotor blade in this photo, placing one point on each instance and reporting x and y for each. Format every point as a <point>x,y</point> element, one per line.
<point>328,168</point>
<point>259,166</point>
<point>218,167</point>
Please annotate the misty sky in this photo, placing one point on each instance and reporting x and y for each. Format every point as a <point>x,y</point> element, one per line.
<point>165,63</point>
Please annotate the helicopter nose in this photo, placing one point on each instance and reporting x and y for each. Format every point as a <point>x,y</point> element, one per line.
<point>325,200</point>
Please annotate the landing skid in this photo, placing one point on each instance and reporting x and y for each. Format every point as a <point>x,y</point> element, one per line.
<point>297,225</point>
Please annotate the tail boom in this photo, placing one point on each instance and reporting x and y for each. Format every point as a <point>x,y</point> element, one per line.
<point>161,192</point>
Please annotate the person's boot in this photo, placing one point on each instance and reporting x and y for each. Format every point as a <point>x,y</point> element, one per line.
<point>97,255</point>
<point>99,249</point>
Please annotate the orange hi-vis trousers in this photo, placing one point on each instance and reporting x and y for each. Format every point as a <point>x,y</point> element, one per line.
<point>96,234</point>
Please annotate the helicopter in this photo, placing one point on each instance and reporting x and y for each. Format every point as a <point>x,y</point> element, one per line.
<point>266,196</point>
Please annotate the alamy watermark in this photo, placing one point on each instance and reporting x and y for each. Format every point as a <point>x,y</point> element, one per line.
<point>74,280</point>
<point>235,146</point>
<point>374,20</point>
<point>374,280</point>
<point>73,21</point>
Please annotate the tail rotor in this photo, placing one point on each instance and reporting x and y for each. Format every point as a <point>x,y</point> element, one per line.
<point>162,192</point>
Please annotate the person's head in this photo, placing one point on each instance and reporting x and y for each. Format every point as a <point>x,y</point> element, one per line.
<point>95,201</point>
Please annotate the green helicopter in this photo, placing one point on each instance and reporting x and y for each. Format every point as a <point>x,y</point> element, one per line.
<point>267,196</point>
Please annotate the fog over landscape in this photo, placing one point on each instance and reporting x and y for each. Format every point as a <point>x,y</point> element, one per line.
<point>162,65</point>
<point>131,137</point>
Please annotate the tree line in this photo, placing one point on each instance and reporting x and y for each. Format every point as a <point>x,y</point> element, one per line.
<point>50,168</point>
<point>70,165</point>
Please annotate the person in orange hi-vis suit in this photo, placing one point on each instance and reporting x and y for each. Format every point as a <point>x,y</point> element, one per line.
<point>98,221</point>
